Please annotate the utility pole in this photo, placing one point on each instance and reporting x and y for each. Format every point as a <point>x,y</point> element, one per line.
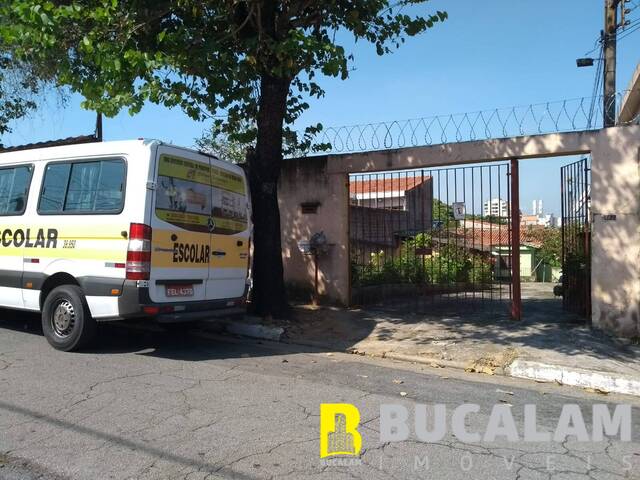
<point>609,46</point>
<point>98,133</point>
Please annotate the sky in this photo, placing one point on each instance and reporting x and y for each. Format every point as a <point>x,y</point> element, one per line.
<point>488,54</point>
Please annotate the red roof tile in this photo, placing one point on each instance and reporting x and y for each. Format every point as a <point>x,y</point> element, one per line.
<point>380,183</point>
<point>486,238</point>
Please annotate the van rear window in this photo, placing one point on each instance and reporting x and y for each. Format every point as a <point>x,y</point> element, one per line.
<point>14,189</point>
<point>200,197</point>
<point>83,187</point>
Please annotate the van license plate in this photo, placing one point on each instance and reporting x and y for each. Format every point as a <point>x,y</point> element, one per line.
<point>179,290</point>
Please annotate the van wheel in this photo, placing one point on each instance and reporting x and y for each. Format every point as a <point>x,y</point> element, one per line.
<point>66,321</point>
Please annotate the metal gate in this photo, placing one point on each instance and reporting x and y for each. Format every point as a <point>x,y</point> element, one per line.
<point>431,237</point>
<point>576,237</point>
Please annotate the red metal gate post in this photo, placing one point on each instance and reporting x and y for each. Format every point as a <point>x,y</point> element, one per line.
<point>516,301</point>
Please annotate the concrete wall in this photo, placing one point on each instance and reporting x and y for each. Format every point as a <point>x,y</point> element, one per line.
<point>377,227</point>
<point>615,254</point>
<point>307,181</point>
<point>383,227</point>
<point>615,191</point>
<point>526,263</point>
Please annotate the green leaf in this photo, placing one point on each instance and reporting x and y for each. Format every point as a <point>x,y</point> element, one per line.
<point>207,58</point>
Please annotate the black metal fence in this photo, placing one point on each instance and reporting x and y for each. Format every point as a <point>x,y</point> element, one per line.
<point>431,234</point>
<point>576,237</point>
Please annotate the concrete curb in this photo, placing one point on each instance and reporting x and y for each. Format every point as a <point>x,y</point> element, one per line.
<point>401,357</point>
<point>431,362</point>
<point>525,369</point>
<point>575,377</point>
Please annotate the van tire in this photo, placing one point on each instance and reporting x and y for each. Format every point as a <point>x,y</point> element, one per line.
<point>66,320</point>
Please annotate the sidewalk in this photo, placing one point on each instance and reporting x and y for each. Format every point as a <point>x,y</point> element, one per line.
<point>547,345</point>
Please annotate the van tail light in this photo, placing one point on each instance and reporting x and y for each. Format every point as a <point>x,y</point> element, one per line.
<point>139,252</point>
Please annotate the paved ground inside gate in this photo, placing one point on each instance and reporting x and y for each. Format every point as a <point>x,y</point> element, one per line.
<point>464,333</point>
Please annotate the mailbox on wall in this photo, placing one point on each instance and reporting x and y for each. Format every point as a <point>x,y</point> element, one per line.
<point>316,246</point>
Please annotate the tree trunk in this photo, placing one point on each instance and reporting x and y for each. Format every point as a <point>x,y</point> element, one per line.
<point>268,296</point>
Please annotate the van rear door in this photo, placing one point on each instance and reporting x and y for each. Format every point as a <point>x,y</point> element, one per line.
<point>181,221</point>
<point>231,233</point>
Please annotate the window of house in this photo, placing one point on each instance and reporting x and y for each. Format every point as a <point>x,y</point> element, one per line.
<point>83,187</point>
<point>14,189</point>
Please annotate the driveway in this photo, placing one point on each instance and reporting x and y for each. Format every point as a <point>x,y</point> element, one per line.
<point>469,334</point>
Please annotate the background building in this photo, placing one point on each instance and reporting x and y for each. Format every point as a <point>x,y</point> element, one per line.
<point>384,211</point>
<point>496,207</point>
<point>389,193</point>
<point>539,218</point>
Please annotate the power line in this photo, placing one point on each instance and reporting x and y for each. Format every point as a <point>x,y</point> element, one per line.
<point>596,87</point>
<point>597,44</point>
<point>630,28</point>
<point>629,32</point>
<point>630,24</point>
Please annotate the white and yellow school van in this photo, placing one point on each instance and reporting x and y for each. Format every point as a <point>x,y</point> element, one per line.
<point>117,230</point>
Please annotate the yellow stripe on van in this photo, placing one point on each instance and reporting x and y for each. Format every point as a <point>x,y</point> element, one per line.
<point>171,216</point>
<point>180,249</point>
<point>199,172</point>
<point>237,256</point>
<point>227,224</point>
<point>184,169</point>
<point>80,243</point>
<point>170,248</point>
<point>185,249</point>
<point>79,253</point>
<point>196,219</point>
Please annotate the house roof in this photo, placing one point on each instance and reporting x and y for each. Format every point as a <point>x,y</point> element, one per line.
<point>486,239</point>
<point>380,183</point>
<point>528,218</point>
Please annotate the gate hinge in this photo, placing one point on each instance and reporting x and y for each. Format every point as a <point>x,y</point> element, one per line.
<point>152,185</point>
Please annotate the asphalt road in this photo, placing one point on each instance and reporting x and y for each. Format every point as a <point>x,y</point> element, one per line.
<point>150,404</point>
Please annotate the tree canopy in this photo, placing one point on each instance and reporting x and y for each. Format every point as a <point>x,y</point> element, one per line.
<point>18,88</point>
<point>250,66</point>
<point>551,249</point>
<point>205,56</point>
<point>219,145</point>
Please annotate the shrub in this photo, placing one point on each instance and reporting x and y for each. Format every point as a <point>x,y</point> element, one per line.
<point>446,265</point>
